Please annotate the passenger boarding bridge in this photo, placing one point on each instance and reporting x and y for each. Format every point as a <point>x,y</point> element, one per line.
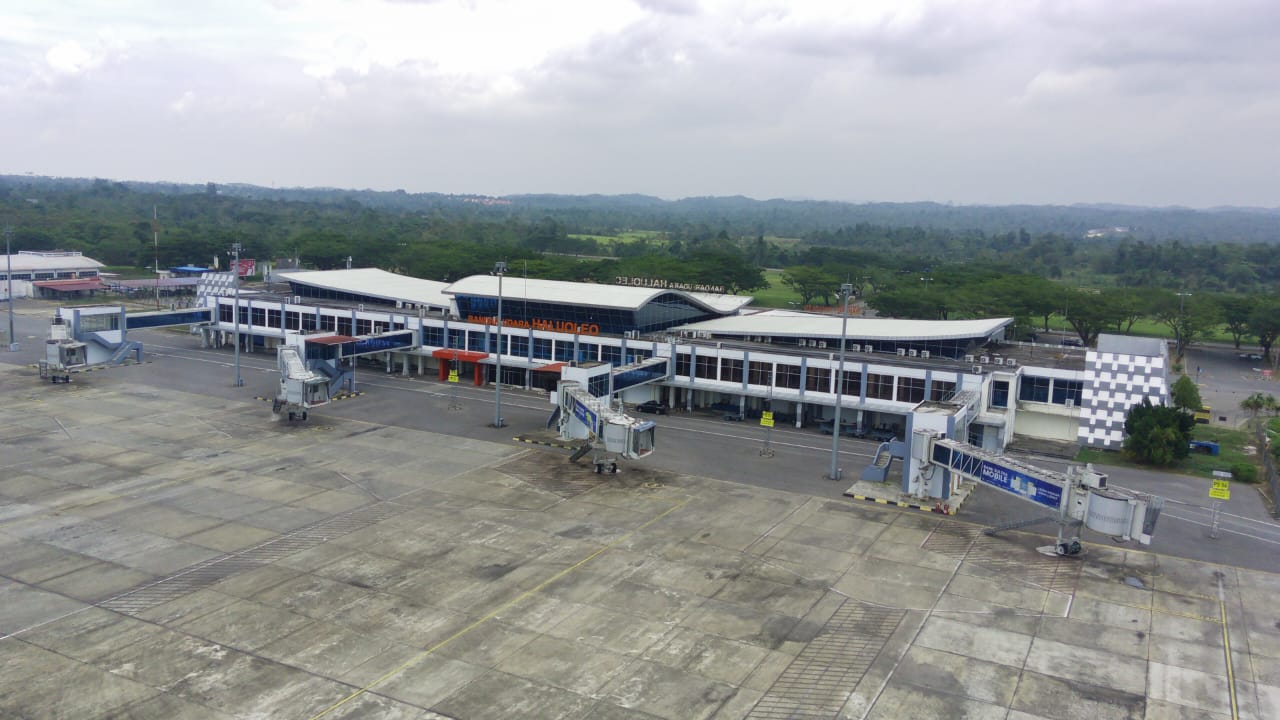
<point>1078,497</point>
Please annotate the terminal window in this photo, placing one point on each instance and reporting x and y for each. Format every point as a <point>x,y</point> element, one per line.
<point>1034,389</point>
<point>910,389</point>
<point>789,376</point>
<point>817,379</point>
<point>880,387</point>
<point>706,367</point>
<point>852,384</point>
<point>1000,393</point>
<point>942,390</point>
<point>760,373</point>
<point>542,348</point>
<point>730,370</point>
<point>682,364</point>
<point>1067,390</point>
<point>520,345</point>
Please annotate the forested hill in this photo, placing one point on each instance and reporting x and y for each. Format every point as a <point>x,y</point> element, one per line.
<point>741,216</point>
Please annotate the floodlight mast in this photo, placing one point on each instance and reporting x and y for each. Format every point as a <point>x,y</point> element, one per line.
<point>8,254</point>
<point>235,275</point>
<point>845,290</point>
<point>499,269</point>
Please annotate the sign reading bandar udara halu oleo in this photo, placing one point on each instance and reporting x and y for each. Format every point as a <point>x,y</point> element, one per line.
<point>564,326</point>
<point>666,284</point>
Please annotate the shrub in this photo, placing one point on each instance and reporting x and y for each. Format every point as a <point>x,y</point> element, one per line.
<point>1244,472</point>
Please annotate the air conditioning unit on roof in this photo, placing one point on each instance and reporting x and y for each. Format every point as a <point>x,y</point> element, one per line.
<point>968,358</point>
<point>977,369</point>
<point>1010,362</point>
<point>297,299</point>
<point>985,360</point>
<point>924,354</point>
<point>913,353</point>
<point>822,343</point>
<point>902,352</point>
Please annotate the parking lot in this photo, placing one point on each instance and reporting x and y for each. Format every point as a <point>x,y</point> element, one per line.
<point>173,554</point>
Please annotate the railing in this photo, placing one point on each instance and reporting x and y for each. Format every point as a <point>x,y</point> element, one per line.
<point>1269,467</point>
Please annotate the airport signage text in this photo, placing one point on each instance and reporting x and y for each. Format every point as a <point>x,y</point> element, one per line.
<point>1038,491</point>
<point>564,326</point>
<point>666,284</point>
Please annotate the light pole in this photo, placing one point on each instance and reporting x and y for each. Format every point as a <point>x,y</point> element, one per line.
<point>235,275</point>
<point>926,283</point>
<point>1180,327</point>
<point>1182,302</point>
<point>499,269</point>
<point>845,289</point>
<point>8,254</point>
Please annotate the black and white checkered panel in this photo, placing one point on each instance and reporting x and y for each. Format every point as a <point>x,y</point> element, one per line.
<point>1115,382</point>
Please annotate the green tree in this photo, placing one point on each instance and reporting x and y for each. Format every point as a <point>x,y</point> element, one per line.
<point>1188,316</point>
<point>1264,324</point>
<point>1157,435</point>
<point>1185,394</point>
<point>1236,310</point>
<point>1089,314</point>
<point>810,282</point>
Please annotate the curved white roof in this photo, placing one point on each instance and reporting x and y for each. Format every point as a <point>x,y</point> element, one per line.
<point>375,283</point>
<point>789,323</point>
<point>29,261</point>
<point>595,295</point>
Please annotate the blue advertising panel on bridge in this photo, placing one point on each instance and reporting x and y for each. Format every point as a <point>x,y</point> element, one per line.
<point>583,413</point>
<point>1037,490</point>
<point>380,343</point>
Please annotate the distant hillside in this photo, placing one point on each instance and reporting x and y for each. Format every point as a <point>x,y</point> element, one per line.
<point>742,216</point>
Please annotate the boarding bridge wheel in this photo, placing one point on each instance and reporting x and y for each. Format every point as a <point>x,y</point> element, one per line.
<point>610,467</point>
<point>1070,547</point>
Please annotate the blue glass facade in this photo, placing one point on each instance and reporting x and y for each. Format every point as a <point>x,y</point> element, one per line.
<point>664,311</point>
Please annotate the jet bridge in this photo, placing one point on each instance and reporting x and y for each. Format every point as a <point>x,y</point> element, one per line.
<point>300,389</point>
<point>608,432</point>
<point>1080,496</point>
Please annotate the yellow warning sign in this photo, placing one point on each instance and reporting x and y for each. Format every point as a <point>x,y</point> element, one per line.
<point>1221,490</point>
<point>453,376</point>
<point>766,418</point>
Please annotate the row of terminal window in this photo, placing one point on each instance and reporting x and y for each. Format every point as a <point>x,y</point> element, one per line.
<point>305,322</point>
<point>1038,389</point>
<point>536,348</point>
<point>46,275</point>
<point>813,379</point>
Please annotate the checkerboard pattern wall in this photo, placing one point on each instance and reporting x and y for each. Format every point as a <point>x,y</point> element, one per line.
<point>1115,382</point>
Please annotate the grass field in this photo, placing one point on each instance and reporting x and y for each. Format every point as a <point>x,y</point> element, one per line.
<point>626,236</point>
<point>776,295</point>
<point>1231,443</point>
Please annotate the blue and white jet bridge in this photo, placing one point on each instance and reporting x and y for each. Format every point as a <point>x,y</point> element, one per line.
<point>1079,497</point>
<point>608,433</point>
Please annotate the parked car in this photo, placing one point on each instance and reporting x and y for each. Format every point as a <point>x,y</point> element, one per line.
<point>1251,357</point>
<point>655,407</point>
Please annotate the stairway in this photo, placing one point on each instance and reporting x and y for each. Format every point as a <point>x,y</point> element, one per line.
<point>878,470</point>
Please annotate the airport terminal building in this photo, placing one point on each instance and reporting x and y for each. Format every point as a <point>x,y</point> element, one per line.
<point>697,350</point>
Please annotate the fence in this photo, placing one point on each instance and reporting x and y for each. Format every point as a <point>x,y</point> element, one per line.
<point>1269,467</point>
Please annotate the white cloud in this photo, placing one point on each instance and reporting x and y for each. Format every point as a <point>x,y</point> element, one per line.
<point>972,101</point>
<point>69,58</point>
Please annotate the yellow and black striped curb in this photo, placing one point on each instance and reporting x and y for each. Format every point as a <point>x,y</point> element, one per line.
<point>548,443</point>
<point>940,509</point>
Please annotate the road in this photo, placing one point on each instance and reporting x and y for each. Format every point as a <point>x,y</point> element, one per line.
<point>693,444</point>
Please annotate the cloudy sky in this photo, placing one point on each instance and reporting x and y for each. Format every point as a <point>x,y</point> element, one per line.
<point>1131,101</point>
